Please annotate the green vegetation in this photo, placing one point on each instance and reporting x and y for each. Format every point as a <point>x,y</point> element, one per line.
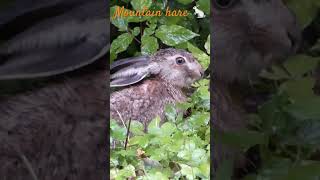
<point>286,130</point>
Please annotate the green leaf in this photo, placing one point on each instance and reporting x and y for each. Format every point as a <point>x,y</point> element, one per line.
<point>187,171</point>
<point>207,44</point>
<point>204,5</point>
<point>173,34</point>
<point>305,171</point>
<point>136,31</point>
<point>120,22</point>
<point>170,112</point>
<point>149,45</point>
<point>121,43</point>
<point>154,126</point>
<point>141,4</point>
<point>298,89</point>
<point>276,74</point>
<point>142,141</point>
<point>307,109</point>
<point>167,129</point>
<point>305,11</point>
<point>136,128</point>
<point>117,132</point>
<point>126,172</point>
<point>202,57</point>
<point>185,2</point>
<point>301,64</point>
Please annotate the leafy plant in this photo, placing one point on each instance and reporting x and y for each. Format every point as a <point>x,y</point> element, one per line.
<point>285,129</point>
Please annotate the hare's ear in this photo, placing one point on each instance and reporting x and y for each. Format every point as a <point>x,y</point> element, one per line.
<point>129,71</point>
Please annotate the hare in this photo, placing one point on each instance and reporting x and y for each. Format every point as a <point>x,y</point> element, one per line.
<point>248,36</point>
<point>150,83</point>
<point>58,130</point>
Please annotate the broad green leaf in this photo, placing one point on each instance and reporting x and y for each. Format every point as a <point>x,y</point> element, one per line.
<point>120,22</point>
<point>117,132</point>
<point>136,128</point>
<point>173,34</point>
<point>141,4</point>
<point>126,172</point>
<point>304,10</point>
<point>276,74</point>
<point>307,109</point>
<point>142,141</point>
<point>149,45</point>
<point>303,171</point>
<point>298,89</point>
<point>154,126</point>
<point>301,64</point>
<point>202,57</point>
<point>204,5</point>
<point>121,43</point>
<point>167,129</point>
<point>187,171</point>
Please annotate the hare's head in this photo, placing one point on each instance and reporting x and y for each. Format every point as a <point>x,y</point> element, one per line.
<point>178,67</point>
<point>249,35</point>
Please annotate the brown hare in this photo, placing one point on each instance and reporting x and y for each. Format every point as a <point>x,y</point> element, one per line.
<point>150,83</point>
<point>248,36</point>
<point>56,130</point>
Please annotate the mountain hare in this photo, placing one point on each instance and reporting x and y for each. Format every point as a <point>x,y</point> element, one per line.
<point>167,73</point>
<point>248,36</point>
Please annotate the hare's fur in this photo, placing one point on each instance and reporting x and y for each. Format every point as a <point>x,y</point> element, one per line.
<point>145,100</point>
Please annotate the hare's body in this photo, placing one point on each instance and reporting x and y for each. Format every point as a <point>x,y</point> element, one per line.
<point>171,71</point>
<point>52,127</point>
<point>144,101</point>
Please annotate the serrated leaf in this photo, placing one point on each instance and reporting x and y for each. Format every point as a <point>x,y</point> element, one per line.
<point>173,34</point>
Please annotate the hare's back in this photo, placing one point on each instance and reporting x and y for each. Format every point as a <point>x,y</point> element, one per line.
<point>142,102</point>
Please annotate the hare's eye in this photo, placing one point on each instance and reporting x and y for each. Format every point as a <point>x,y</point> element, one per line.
<point>224,4</point>
<point>180,60</point>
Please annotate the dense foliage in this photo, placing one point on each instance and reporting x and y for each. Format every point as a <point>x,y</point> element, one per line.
<point>285,132</point>
<point>178,148</point>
